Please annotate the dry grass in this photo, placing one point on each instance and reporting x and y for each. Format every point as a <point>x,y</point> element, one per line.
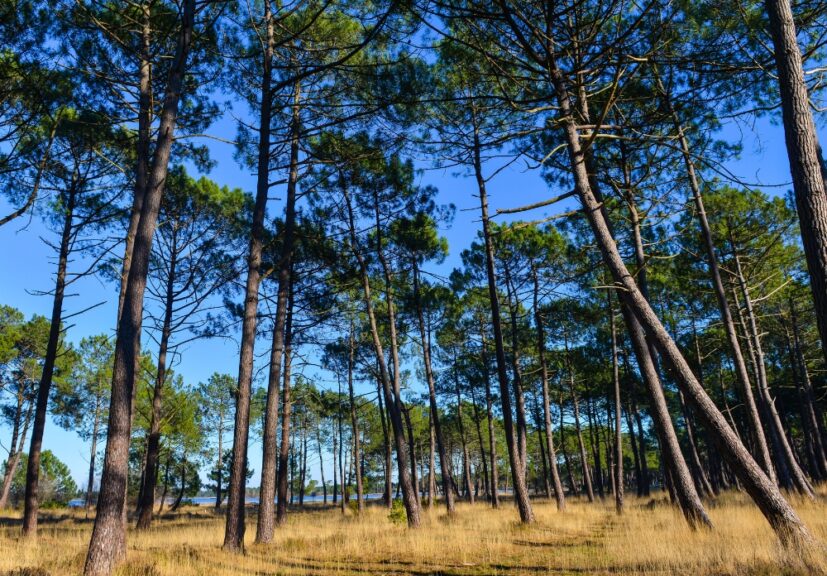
<point>651,538</point>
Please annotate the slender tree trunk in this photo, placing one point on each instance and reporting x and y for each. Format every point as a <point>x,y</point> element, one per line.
<point>803,150</point>
<point>219,464</point>
<point>587,480</point>
<point>618,408</point>
<point>432,403</point>
<point>235,526</point>
<point>266,523</point>
<point>16,449</point>
<point>517,380</point>
<point>785,451</point>
<point>520,489</point>
<point>759,441</point>
<point>780,515</point>
<point>146,501</point>
<point>141,189</point>
<point>559,495</point>
<point>93,450</point>
<point>573,488</point>
<point>412,452</point>
<point>431,464</point>
<point>594,444</point>
<point>387,493</point>
<point>183,488</point>
<point>31,507</point>
<point>354,423</point>
<point>166,488</point>
<point>466,463</point>
<point>392,400</point>
<point>286,401</point>
<point>489,414</point>
<point>483,455</point>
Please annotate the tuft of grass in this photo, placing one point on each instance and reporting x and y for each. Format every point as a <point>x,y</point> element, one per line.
<point>651,538</point>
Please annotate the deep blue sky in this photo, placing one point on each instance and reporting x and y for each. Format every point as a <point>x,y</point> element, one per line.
<point>26,263</point>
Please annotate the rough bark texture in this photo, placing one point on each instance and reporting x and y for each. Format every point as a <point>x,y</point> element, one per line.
<point>804,155</point>
<point>235,525</point>
<point>266,517</point>
<point>107,546</point>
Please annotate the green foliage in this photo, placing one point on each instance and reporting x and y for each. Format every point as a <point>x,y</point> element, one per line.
<point>56,486</point>
<point>397,513</point>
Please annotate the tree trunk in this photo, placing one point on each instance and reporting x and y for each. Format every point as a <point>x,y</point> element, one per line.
<point>265,526</point>
<point>30,509</point>
<point>759,441</point>
<point>90,484</point>
<point>432,403</point>
<point>219,464</point>
<point>466,464</point>
<point>16,449</point>
<point>520,489</point>
<point>559,495</point>
<point>806,166</point>
<point>392,399</point>
<point>183,488</point>
<point>235,525</point>
<point>354,423</point>
<point>431,465</point>
<point>483,456</point>
<point>618,440</point>
<point>489,414</point>
<point>785,451</point>
<point>166,488</point>
<point>780,515</point>
<point>286,402</point>
<point>146,500</point>
<point>587,479</point>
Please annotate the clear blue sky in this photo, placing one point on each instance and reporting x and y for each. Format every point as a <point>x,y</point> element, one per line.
<point>27,264</point>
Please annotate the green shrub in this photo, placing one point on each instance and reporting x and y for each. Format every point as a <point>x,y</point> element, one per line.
<point>397,515</point>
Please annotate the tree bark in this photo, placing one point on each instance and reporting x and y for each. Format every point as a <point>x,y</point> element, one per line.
<point>520,489</point>
<point>286,406</point>
<point>235,525</point>
<point>432,403</point>
<point>392,399</point>
<point>559,495</point>
<point>354,423</point>
<point>780,515</point>
<point>266,524</point>
<point>803,151</point>
<point>108,543</point>
<point>31,504</point>
<point>146,501</point>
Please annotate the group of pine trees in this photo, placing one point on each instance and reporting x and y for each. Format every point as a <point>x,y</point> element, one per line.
<point>651,321</point>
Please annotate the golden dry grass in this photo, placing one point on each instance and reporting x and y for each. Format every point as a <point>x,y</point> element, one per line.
<point>651,538</point>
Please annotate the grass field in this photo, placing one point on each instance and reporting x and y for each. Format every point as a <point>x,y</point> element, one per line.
<point>651,538</point>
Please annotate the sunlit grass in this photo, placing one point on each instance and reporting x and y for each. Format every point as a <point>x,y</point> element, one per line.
<point>651,538</point>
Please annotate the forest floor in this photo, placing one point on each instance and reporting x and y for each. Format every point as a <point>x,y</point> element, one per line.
<point>650,538</point>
